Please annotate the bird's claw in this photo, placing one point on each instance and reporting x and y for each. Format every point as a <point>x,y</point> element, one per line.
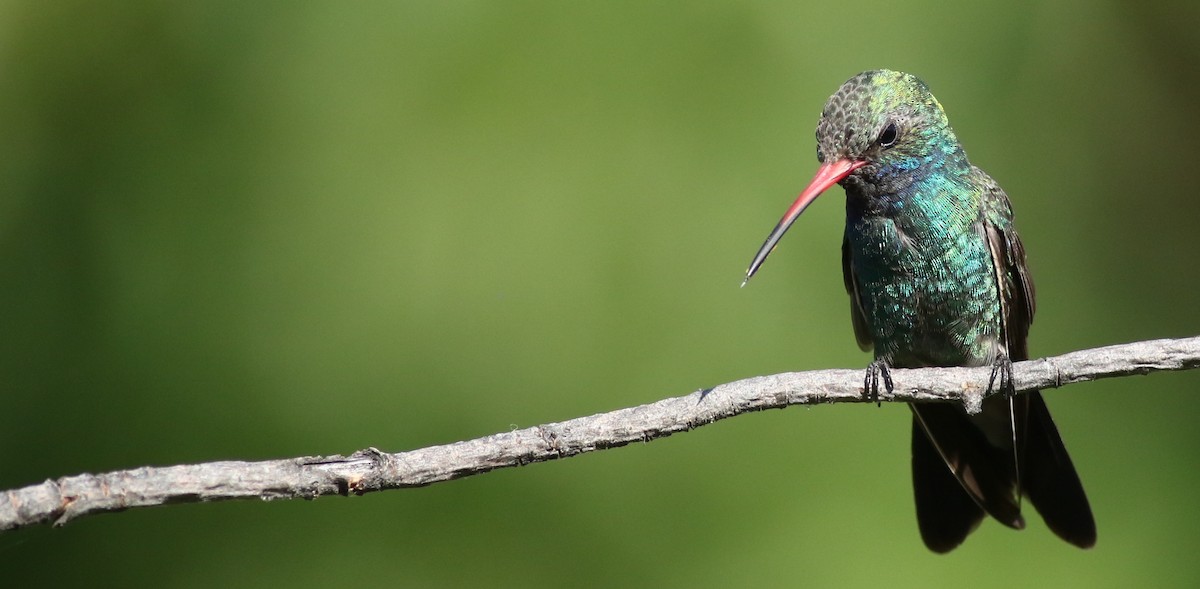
<point>875,370</point>
<point>1002,369</point>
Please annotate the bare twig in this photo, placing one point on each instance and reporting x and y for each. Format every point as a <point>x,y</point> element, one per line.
<point>62,500</point>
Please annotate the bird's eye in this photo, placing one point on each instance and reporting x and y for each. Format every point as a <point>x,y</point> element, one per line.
<point>888,137</point>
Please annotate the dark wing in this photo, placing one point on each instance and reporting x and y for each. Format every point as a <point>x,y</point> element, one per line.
<point>862,331</point>
<point>1045,471</point>
<point>1012,274</point>
<point>1050,479</point>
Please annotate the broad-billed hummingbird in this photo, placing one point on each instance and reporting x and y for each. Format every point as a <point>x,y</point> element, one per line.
<point>937,277</point>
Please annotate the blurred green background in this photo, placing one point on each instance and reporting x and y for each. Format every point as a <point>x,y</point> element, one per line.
<point>252,230</point>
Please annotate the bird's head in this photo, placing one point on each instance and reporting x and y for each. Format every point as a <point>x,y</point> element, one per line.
<point>885,124</point>
<point>879,132</point>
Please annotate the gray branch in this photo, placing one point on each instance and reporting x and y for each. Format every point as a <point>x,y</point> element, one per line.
<point>62,500</point>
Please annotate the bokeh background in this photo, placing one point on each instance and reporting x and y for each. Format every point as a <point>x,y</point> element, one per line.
<point>252,230</point>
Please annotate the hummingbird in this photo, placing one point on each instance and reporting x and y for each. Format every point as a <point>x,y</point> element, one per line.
<point>937,277</point>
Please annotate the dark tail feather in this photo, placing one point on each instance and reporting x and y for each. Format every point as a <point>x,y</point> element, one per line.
<point>945,513</point>
<point>1050,480</point>
<point>984,472</point>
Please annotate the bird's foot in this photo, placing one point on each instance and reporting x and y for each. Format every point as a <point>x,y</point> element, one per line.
<point>875,370</point>
<point>1002,371</point>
